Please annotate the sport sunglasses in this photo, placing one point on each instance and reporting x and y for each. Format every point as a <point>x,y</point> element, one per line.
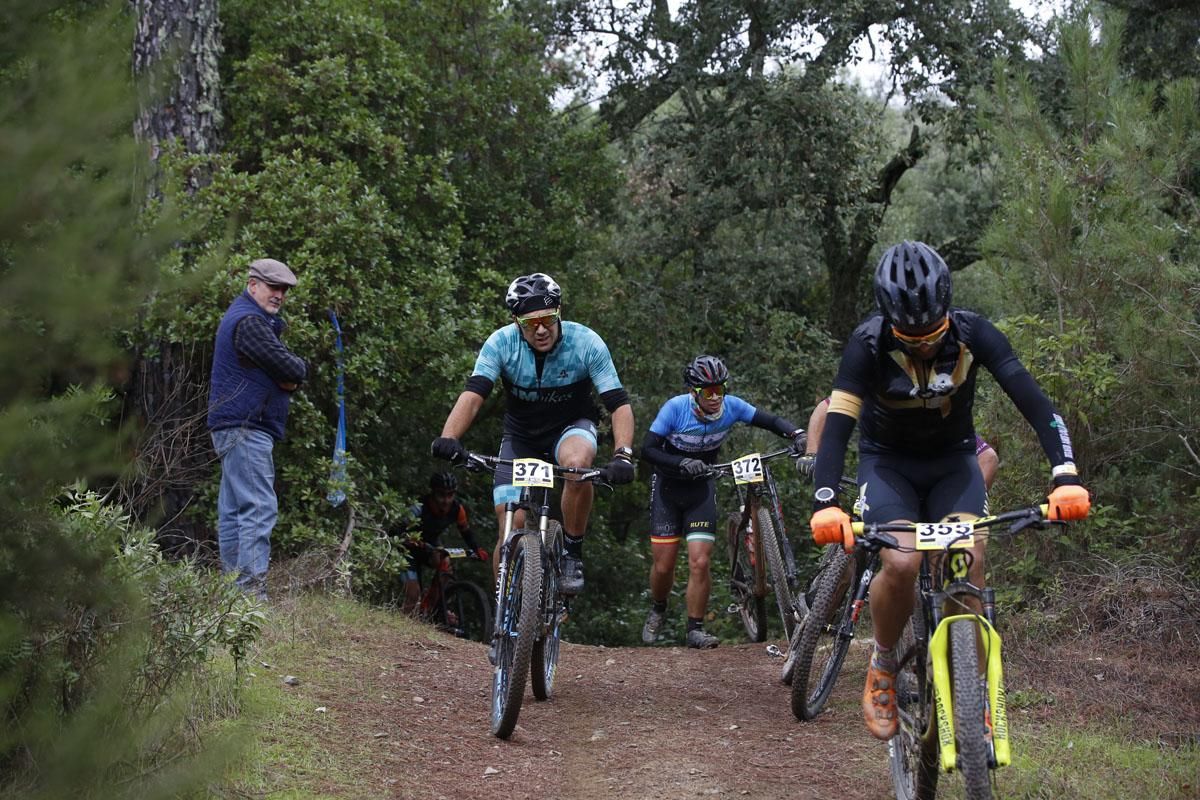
<point>933,337</point>
<point>546,321</point>
<point>710,392</point>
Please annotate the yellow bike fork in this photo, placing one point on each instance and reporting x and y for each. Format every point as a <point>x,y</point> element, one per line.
<point>939,655</point>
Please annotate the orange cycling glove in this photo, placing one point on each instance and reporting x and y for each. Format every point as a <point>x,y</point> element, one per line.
<point>1069,503</point>
<point>832,526</point>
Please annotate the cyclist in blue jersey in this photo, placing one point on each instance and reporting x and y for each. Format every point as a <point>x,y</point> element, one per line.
<point>549,368</point>
<point>682,441</point>
<point>907,379</point>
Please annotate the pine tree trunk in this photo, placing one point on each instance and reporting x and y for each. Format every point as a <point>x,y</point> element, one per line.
<point>177,46</point>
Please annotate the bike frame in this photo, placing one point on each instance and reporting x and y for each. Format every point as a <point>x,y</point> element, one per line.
<point>950,577</point>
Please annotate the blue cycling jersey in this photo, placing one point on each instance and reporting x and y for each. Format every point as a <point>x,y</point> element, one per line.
<point>544,393</point>
<point>689,435</point>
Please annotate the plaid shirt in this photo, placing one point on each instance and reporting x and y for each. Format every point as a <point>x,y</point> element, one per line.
<point>255,340</point>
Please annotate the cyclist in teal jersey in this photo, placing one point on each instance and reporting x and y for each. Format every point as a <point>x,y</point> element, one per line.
<point>549,368</point>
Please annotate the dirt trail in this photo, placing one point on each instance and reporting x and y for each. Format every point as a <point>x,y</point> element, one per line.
<point>661,722</point>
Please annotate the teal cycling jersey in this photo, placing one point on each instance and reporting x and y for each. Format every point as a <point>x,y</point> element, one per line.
<point>546,392</point>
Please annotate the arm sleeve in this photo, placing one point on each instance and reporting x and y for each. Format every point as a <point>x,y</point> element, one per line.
<point>254,339</point>
<point>770,422</point>
<point>995,352</point>
<point>831,455</point>
<point>653,451</point>
<point>479,385</point>
<point>614,399</point>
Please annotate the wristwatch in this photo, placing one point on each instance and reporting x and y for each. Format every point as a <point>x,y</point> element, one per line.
<point>623,452</point>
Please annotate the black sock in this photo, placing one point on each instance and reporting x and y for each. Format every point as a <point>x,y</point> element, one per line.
<point>695,624</point>
<point>573,545</point>
<point>661,608</point>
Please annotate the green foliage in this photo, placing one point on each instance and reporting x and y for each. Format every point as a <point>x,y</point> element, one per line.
<point>101,641</point>
<point>1094,247</point>
<point>405,173</point>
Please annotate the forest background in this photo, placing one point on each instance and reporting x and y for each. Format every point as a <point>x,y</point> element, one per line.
<point>699,177</point>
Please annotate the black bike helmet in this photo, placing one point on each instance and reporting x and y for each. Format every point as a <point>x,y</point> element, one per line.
<point>705,371</point>
<point>443,482</point>
<point>534,292</point>
<point>912,286</point>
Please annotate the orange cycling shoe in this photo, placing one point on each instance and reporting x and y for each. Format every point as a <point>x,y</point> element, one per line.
<point>1069,503</point>
<point>832,526</point>
<point>879,703</point>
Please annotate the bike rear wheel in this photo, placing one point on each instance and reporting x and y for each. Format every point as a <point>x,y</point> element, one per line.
<point>913,751</point>
<point>545,651</point>
<point>822,644</point>
<point>771,545</point>
<point>469,611</point>
<point>520,618</point>
<point>970,710</point>
<point>751,607</point>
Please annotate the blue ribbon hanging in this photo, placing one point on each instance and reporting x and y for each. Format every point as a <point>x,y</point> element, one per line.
<point>337,475</point>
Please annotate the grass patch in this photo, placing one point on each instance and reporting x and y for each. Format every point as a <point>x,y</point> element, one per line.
<point>297,752</point>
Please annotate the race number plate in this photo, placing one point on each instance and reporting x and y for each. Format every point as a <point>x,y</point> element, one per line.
<point>533,473</point>
<point>937,535</point>
<point>748,469</point>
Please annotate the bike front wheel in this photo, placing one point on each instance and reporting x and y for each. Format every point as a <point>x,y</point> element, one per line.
<point>519,620</point>
<point>468,611</point>
<point>545,650</point>
<point>743,558</point>
<point>823,643</point>
<point>772,549</point>
<point>970,711</point>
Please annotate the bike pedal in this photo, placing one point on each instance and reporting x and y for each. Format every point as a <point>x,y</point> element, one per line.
<point>733,609</point>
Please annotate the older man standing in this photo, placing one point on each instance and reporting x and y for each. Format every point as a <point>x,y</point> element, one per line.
<point>253,376</point>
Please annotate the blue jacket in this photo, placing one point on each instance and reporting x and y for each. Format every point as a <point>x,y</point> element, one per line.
<point>242,394</point>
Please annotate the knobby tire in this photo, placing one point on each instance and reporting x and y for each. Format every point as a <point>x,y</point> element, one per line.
<point>821,649</point>
<point>779,577</point>
<point>970,726</point>
<point>913,751</point>
<point>545,651</point>
<point>519,630</point>
<point>472,611</point>
<point>752,607</point>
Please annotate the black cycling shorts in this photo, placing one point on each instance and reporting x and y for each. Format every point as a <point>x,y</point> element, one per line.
<point>545,448</point>
<point>682,509</point>
<point>895,487</point>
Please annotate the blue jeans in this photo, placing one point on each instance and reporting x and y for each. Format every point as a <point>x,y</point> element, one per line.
<point>246,505</point>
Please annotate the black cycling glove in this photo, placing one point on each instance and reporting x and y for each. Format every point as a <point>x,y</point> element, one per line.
<point>619,471</point>
<point>450,449</point>
<point>692,467</point>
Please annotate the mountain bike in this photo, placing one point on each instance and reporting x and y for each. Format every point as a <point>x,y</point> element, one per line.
<point>759,548</point>
<point>836,596</point>
<point>953,718</point>
<point>530,609</point>
<point>456,606</point>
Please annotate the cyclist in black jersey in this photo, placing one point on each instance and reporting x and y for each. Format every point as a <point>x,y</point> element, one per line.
<point>907,378</point>
<point>985,454</point>
<point>423,530</point>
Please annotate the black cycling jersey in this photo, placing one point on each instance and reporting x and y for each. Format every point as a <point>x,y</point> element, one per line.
<point>430,526</point>
<point>909,406</point>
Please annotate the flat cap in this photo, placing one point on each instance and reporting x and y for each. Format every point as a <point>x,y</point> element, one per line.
<point>268,270</point>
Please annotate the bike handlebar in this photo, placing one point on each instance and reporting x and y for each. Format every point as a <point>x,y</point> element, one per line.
<point>725,470</point>
<point>875,536</point>
<point>480,461</point>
